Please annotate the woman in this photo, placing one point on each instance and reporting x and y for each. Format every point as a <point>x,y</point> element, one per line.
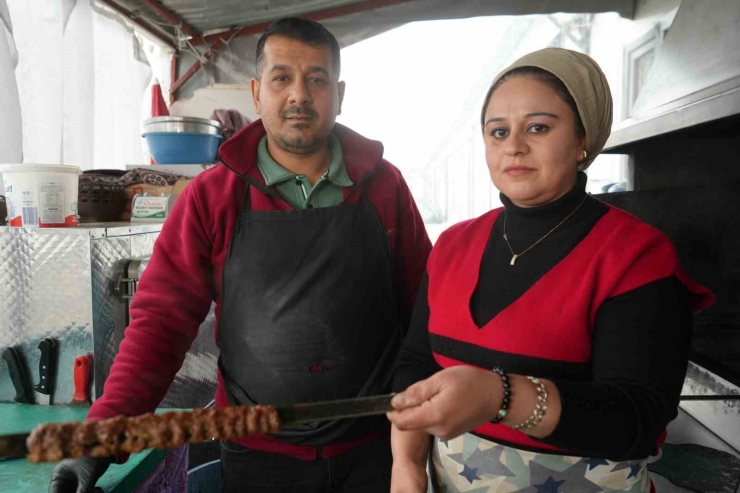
<point>550,338</point>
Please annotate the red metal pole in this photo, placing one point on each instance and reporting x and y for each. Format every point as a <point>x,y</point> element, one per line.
<point>197,65</point>
<point>315,16</point>
<point>173,76</point>
<point>136,19</point>
<point>171,17</point>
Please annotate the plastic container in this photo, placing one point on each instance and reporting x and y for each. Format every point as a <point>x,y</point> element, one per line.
<point>41,195</point>
<point>145,207</point>
<point>182,139</point>
<point>182,147</point>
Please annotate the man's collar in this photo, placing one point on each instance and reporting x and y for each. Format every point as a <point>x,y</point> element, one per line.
<point>360,154</point>
<point>274,173</point>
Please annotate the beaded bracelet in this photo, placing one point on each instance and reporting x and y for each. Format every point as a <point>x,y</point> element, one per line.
<point>539,409</point>
<point>507,394</point>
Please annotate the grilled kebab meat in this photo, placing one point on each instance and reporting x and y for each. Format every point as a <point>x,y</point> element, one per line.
<point>103,438</point>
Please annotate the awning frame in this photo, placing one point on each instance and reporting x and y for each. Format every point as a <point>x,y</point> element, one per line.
<point>161,21</point>
<point>215,41</point>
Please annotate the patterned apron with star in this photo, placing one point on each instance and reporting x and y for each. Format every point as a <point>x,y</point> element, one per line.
<point>471,464</point>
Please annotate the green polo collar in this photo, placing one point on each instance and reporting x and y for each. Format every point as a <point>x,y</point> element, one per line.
<point>273,173</point>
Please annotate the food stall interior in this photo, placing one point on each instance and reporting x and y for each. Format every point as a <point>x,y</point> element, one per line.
<point>74,285</point>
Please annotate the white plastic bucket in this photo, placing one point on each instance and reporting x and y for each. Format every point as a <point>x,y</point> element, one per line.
<point>41,195</point>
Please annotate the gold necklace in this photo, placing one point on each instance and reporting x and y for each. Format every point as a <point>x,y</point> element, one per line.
<point>517,255</point>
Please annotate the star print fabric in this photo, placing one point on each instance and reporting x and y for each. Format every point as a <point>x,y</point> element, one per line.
<point>473,465</point>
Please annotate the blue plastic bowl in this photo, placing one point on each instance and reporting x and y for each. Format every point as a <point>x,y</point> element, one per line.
<point>182,147</point>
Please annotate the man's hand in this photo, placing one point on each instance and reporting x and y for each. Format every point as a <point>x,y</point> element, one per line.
<point>408,477</point>
<point>78,475</point>
<point>449,403</point>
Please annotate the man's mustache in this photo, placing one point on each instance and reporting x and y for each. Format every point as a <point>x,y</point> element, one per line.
<point>299,111</point>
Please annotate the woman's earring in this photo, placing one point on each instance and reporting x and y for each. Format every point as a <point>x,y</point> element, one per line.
<point>585,155</point>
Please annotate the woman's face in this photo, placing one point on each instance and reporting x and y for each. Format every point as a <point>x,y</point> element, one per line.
<point>532,147</point>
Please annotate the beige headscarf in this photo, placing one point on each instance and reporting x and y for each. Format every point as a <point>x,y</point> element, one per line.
<point>586,83</point>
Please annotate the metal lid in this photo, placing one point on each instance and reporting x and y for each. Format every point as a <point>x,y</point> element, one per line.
<point>182,119</point>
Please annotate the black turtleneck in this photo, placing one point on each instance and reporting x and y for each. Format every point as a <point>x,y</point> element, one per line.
<point>524,226</point>
<point>616,406</point>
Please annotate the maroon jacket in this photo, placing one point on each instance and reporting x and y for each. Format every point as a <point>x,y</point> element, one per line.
<point>184,274</point>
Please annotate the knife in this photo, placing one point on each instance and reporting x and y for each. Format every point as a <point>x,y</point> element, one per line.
<point>15,445</point>
<point>82,381</point>
<point>47,371</point>
<point>19,376</point>
<point>339,409</point>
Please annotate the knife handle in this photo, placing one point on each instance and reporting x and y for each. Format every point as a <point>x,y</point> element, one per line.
<point>46,366</point>
<point>81,378</point>
<point>23,394</point>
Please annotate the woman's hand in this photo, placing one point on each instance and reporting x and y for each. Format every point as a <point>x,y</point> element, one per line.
<point>408,477</point>
<point>449,403</point>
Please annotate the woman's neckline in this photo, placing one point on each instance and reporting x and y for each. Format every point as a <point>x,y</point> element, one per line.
<point>541,219</point>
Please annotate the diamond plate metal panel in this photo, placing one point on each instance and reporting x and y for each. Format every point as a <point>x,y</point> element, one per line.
<point>59,283</point>
<point>142,245</point>
<point>10,289</point>
<point>48,290</point>
<point>109,312</point>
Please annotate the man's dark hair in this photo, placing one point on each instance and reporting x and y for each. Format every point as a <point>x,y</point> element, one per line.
<point>304,30</point>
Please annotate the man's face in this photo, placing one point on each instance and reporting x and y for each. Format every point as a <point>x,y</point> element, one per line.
<point>298,95</point>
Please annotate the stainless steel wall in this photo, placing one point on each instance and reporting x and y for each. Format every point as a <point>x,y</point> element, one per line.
<point>59,283</point>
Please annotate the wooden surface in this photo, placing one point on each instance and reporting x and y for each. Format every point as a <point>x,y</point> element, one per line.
<point>20,476</point>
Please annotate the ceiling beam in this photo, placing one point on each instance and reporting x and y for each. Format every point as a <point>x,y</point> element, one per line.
<point>171,17</point>
<point>319,15</point>
<point>138,20</point>
<point>206,56</point>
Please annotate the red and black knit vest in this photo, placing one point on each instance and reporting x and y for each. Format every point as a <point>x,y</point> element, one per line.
<point>554,318</point>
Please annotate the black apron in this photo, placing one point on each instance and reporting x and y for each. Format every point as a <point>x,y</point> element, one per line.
<point>309,313</point>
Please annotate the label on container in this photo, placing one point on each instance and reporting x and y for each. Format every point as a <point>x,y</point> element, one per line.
<point>45,199</point>
<point>51,198</point>
<point>150,207</point>
<point>29,210</point>
<point>30,216</point>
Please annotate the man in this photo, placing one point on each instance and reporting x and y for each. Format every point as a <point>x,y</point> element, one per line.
<point>312,247</point>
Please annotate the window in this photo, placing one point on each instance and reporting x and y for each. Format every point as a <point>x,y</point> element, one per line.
<point>638,58</point>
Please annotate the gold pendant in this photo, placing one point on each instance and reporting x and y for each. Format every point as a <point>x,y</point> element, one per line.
<point>513,259</point>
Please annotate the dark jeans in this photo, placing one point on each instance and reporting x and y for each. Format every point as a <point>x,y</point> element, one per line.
<point>365,469</point>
